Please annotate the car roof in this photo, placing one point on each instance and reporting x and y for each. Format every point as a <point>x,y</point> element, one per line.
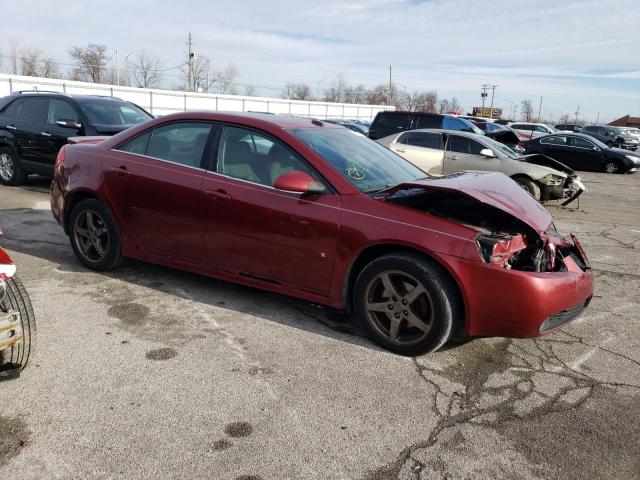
<point>565,134</point>
<point>442,130</point>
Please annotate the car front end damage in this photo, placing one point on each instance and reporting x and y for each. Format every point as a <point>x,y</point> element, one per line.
<point>565,184</point>
<point>525,279</point>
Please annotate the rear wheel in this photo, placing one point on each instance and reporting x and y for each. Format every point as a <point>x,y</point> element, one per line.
<point>529,186</point>
<point>611,166</point>
<point>407,303</point>
<point>15,357</point>
<point>10,171</point>
<point>94,236</point>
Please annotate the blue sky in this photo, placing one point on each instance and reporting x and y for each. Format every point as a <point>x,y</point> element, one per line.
<point>573,53</point>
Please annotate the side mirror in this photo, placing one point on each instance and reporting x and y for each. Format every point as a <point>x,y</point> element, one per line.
<point>487,152</point>
<point>595,149</point>
<point>68,124</point>
<point>299,182</point>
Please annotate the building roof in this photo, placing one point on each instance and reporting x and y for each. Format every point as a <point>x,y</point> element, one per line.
<point>626,121</point>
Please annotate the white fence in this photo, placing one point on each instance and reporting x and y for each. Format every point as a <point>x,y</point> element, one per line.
<point>163,102</point>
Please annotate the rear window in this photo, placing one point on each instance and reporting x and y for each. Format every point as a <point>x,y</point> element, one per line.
<point>33,109</point>
<point>393,120</point>
<point>12,109</point>
<point>422,139</point>
<point>113,113</point>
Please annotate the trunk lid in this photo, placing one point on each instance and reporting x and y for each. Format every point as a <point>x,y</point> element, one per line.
<point>491,188</point>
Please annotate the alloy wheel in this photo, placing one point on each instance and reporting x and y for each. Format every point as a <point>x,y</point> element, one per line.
<point>399,307</point>
<point>91,236</point>
<point>6,167</point>
<point>611,167</point>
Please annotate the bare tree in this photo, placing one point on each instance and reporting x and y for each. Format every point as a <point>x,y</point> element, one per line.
<point>455,105</point>
<point>14,54</point>
<point>336,92</point>
<point>49,68</point>
<point>526,109</point>
<point>226,79</point>
<point>91,62</point>
<point>564,119</point>
<point>146,66</point>
<point>444,106</point>
<point>249,91</point>
<point>30,58</point>
<point>296,91</point>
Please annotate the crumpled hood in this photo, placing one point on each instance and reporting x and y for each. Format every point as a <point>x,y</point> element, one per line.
<point>491,188</point>
<point>544,161</point>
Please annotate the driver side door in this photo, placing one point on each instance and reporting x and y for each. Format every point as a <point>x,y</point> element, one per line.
<point>463,153</point>
<point>253,229</point>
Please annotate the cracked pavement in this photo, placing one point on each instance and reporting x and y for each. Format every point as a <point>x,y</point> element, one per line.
<point>148,372</point>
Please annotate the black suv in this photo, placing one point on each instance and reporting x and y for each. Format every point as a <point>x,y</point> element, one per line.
<point>611,136</point>
<point>389,122</point>
<point>35,125</point>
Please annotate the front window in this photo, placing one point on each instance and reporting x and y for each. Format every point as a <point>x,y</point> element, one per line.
<point>556,140</point>
<point>501,148</point>
<point>366,164</point>
<point>113,113</point>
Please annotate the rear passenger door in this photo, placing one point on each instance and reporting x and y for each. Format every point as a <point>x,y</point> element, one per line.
<point>424,149</point>
<point>255,230</point>
<point>155,183</point>
<point>29,131</point>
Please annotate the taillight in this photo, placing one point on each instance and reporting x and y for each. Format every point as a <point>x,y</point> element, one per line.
<point>499,248</point>
<point>60,157</point>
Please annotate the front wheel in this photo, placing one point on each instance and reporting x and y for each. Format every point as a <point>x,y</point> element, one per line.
<point>529,186</point>
<point>94,236</point>
<point>407,303</point>
<point>611,167</point>
<point>17,329</point>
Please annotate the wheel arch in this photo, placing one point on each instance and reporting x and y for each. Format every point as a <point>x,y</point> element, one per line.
<point>371,252</point>
<point>72,200</point>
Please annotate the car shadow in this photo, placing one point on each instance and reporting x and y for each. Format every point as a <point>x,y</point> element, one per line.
<point>35,233</point>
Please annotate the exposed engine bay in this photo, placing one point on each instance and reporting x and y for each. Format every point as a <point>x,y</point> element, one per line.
<point>502,238</point>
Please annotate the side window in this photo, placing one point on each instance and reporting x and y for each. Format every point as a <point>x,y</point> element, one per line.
<point>182,143</point>
<point>556,140</point>
<point>518,126</point>
<point>464,145</point>
<point>13,108</point>
<point>582,143</point>
<point>424,139</point>
<point>248,155</point>
<point>428,121</point>
<point>33,109</point>
<point>453,123</point>
<point>393,120</point>
<point>541,129</point>
<point>137,145</point>
<point>61,110</point>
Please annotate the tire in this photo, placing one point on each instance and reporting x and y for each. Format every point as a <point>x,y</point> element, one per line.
<point>10,171</point>
<point>611,167</point>
<point>95,242</point>
<point>529,186</point>
<point>437,307</point>
<point>16,358</point>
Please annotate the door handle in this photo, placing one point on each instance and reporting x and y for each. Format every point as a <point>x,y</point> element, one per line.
<point>122,171</point>
<point>400,150</point>
<point>218,194</point>
<point>45,134</point>
<point>10,127</point>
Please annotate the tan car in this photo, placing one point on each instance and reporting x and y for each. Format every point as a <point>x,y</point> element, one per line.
<point>442,152</point>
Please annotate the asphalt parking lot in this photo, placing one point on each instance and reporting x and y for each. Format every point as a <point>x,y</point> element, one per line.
<point>148,372</point>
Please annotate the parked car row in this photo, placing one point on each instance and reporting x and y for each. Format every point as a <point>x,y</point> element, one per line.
<point>443,152</point>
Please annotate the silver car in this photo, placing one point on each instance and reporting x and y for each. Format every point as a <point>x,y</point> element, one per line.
<point>442,152</point>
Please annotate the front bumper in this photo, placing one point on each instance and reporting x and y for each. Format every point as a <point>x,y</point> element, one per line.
<point>10,329</point>
<point>514,303</point>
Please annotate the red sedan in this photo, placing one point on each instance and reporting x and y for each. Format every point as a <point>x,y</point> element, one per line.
<point>313,210</point>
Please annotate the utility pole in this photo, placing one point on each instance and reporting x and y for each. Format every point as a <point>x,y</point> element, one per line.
<point>493,92</point>
<point>390,85</point>
<point>598,119</point>
<point>190,66</point>
<point>577,113</point>
<point>540,110</point>
<point>117,70</point>
<point>484,94</point>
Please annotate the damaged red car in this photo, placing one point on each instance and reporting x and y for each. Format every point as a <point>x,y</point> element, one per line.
<point>312,210</point>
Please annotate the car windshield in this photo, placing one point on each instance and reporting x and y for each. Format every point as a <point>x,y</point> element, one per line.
<point>473,128</point>
<point>367,165</point>
<point>501,147</point>
<point>552,129</point>
<point>113,113</point>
